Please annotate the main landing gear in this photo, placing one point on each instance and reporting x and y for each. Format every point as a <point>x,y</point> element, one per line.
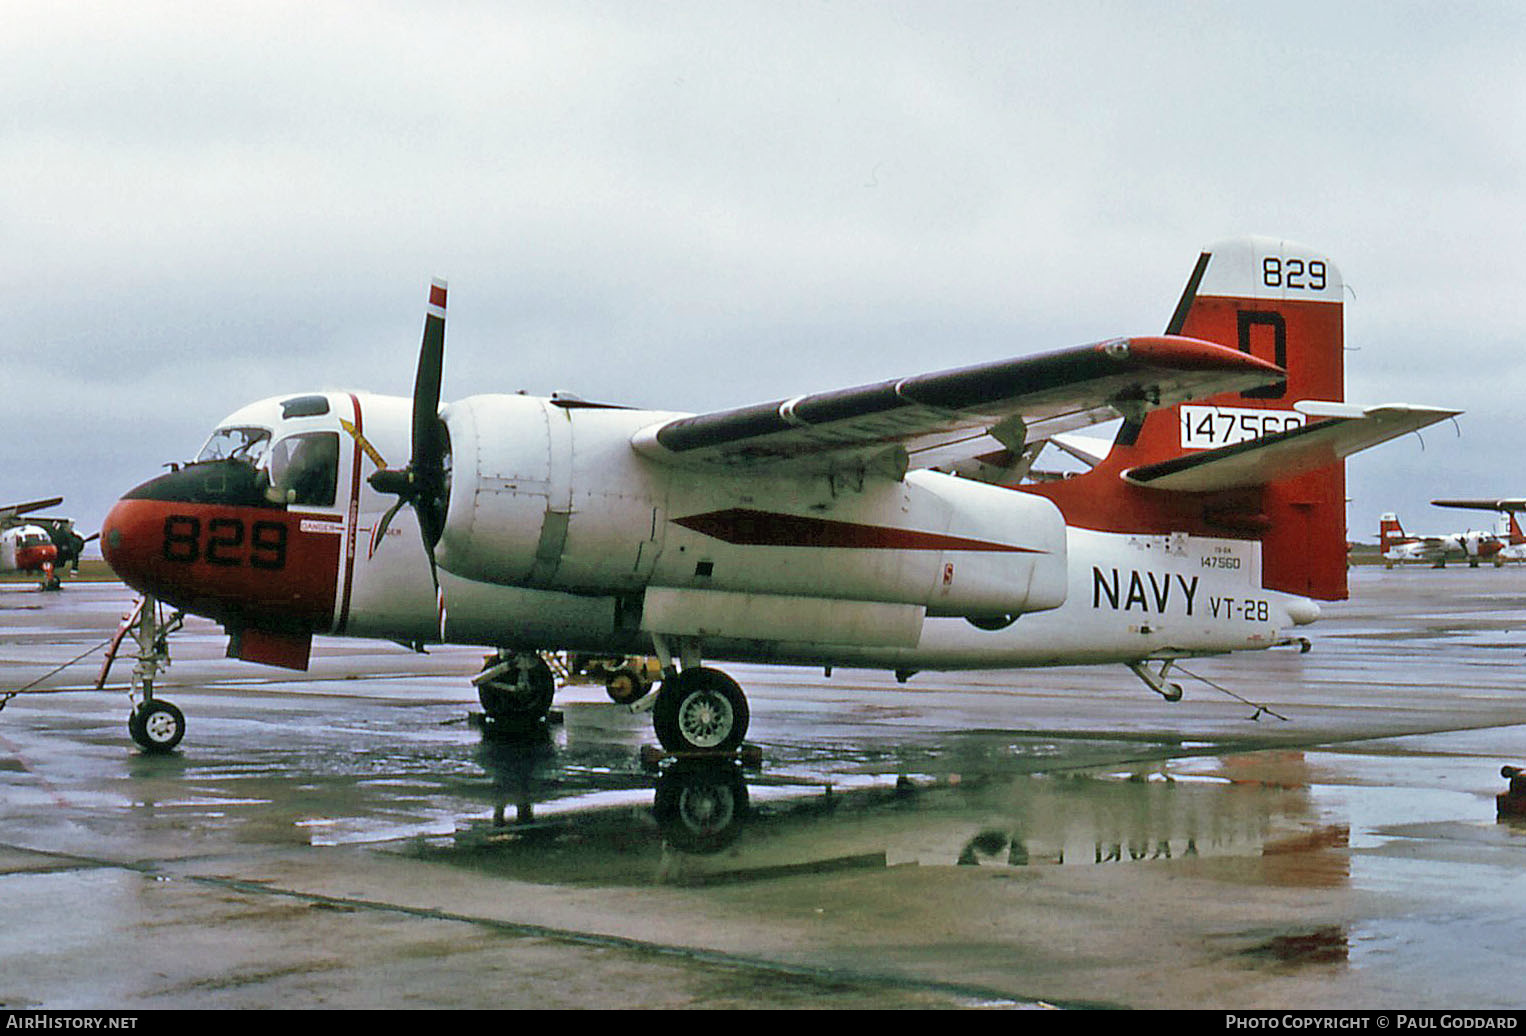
<point>515,688</point>
<point>698,709</point>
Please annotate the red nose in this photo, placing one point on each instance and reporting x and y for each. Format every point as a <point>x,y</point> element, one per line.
<point>29,559</point>
<point>238,564</point>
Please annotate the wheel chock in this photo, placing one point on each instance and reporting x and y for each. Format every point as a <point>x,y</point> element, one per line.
<point>749,755</point>
<point>1512,804</point>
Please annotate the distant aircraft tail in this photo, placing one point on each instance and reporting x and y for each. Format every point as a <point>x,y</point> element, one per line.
<point>1515,537</point>
<point>1265,464</point>
<point>1390,532</point>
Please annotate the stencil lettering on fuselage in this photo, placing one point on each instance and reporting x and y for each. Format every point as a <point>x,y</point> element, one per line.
<point>1133,590</point>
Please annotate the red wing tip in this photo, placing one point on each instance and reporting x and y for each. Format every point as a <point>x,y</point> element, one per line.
<point>437,293</point>
<point>1194,353</point>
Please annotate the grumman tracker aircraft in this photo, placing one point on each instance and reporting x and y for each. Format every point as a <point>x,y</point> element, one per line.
<point>1436,549</point>
<point>1509,527</point>
<point>823,529</point>
<point>41,545</point>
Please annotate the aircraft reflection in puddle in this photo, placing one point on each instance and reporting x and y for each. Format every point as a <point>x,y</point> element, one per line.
<point>563,816</point>
<point>699,805</point>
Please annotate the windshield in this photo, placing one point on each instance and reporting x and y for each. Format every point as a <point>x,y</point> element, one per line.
<point>236,443</point>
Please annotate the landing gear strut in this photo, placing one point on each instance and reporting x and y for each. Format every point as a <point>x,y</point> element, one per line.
<point>155,724</point>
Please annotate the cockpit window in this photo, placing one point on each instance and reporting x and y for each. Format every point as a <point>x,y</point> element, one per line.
<point>304,469</point>
<point>236,444</point>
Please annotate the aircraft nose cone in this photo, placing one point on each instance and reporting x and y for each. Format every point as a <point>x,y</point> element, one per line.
<point>35,557</point>
<point>127,546</point>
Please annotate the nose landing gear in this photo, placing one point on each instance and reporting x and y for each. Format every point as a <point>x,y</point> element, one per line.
<point>154,724</point>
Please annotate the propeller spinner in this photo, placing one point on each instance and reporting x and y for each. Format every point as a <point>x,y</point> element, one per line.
<point>424,484</point>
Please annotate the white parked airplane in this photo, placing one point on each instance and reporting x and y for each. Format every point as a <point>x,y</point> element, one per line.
<point>1436,549</point>
<point>1509,527</point>
<point>41,545</point>
<point>812,530</point>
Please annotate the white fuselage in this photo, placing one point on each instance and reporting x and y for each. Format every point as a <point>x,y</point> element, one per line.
<point>1078,596</point>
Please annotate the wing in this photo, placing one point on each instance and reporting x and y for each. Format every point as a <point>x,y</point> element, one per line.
<point>893,425</point>
<point>1344,430</point>
<point>11,511</point>
<point>1507,504</point>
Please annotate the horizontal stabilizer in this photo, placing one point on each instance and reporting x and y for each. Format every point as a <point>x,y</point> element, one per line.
<point>1508,504</point>
<point>1344,429</point>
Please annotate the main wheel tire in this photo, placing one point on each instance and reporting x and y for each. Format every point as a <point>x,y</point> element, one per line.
<point>700,710</point>
<point>157,726</point>
<point>624,685</point>
<point>518,699</point>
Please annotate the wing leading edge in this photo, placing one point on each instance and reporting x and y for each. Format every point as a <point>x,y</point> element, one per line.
<point>1502,505</point>
<point>904,423</point>
<point>16,510</point>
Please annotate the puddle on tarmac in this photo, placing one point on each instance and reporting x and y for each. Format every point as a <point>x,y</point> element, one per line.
<point>706,823</point>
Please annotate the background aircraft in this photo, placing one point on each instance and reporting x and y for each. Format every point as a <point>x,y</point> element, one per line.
<point>1510,527</point>
<point>821,530</point>
<point>1436,549</point>
<point>41,545</point>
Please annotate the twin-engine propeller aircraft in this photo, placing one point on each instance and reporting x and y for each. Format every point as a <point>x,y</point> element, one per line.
<point>1436,549</point>
<point>1509,526</point>
<point>823,529</point>
<point>41,545</point>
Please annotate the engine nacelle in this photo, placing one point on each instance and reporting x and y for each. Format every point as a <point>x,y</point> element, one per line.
<point>551,496</point>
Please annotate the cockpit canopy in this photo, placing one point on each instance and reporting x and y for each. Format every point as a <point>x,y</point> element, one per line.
<point>236,443</point>
<point>301,468</point>
<point>31,536</point>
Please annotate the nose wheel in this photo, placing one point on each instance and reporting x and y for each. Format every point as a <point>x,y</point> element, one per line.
<point>157,726</point>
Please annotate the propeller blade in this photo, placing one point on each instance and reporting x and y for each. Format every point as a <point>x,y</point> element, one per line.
<point>381,526</point>
<point>429,442</point>
<point>425,483</point>
<point>427,445</point>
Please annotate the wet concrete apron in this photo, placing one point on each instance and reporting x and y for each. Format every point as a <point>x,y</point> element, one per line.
<point>347,837</point>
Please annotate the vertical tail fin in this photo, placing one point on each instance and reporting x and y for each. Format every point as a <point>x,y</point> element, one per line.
<point>1390,532</point>
<point>1281,302</point>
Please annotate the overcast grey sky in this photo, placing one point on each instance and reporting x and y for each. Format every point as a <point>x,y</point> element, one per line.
<point>697,205</point>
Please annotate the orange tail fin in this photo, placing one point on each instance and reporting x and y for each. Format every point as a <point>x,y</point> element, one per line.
<point>1281,302</point>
